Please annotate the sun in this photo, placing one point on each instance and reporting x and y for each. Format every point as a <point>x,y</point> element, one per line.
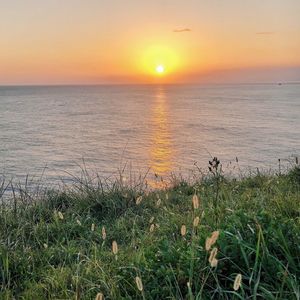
<point>160,69</point>
<point>158,62</point>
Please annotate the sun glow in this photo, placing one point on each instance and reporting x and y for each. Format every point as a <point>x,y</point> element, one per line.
<point>160,69</point>
<point>158,61</point>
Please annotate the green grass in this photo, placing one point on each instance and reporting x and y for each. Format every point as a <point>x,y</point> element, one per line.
<point>45,257</point>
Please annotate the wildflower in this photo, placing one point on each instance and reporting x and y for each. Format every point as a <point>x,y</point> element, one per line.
<point>237,282</point>
<point>158,202</point>
<point>99,296</point>
<point>196,221</point>
<point>151,220</point>
<point>183,230</point>
<point>212,258</point>
<point>93,227</point>
<point>115,247</point>
<point>103,233</point>
<point>139,283</point>
<point>195,202</point>
<point>60,215</point>
<point>152,227</point>
<point>78,222</point>
<point>138,200</point>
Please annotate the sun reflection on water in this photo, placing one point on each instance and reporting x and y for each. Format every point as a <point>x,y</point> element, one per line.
<point>161,151</point>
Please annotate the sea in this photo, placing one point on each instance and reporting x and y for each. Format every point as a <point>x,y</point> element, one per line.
<point>58,132</point>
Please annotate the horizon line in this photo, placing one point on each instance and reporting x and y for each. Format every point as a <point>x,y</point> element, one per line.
<point>154,84</point>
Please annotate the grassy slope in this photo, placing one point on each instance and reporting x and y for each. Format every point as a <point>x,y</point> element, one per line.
<point>45,257</point>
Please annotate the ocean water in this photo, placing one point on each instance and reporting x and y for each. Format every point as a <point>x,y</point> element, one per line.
<point>55,131</point>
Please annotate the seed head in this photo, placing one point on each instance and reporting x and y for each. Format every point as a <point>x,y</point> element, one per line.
<point>139,283</point>
<point>151,220</point>
<point>183,230</point>
<point>45,246</point>
<point>237,282</point>
<point>195,202</point>
<point>214,263</point>
<point>78,222</point>
<point>93,227</point>
<point>213,255</point>
<point>196,222</point>
<point>60,215</point>
<point>152,227</point>
<point>99,296</point>
<point>103,233</point>
<point>208,243</point>
<point>115,247</point>
<point>138,200</point>
<point>215,236</point>
<point>158,202</point>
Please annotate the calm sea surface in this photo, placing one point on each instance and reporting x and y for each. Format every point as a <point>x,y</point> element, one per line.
<point>165,128</point>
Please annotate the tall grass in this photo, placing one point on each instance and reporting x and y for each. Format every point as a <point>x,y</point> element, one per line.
<point>114,241</point>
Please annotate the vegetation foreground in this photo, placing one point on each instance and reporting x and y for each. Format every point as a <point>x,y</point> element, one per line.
<point>218,238</point>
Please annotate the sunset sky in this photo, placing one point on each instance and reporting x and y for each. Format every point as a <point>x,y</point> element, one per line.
<point>139,41</point>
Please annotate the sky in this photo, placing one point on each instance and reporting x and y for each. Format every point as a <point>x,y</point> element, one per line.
<point>117,41</point>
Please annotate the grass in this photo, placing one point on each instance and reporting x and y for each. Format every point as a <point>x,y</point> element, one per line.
<point>58,244</point>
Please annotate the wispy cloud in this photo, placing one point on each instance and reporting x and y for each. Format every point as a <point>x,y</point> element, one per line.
<point>265,32</point>
<point>182,30</point>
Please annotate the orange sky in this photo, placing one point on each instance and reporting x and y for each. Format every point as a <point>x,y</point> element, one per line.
<point>116,41</point>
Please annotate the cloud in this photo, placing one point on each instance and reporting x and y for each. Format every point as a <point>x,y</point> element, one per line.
<point>265,32</point>
<point>182,30</point>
